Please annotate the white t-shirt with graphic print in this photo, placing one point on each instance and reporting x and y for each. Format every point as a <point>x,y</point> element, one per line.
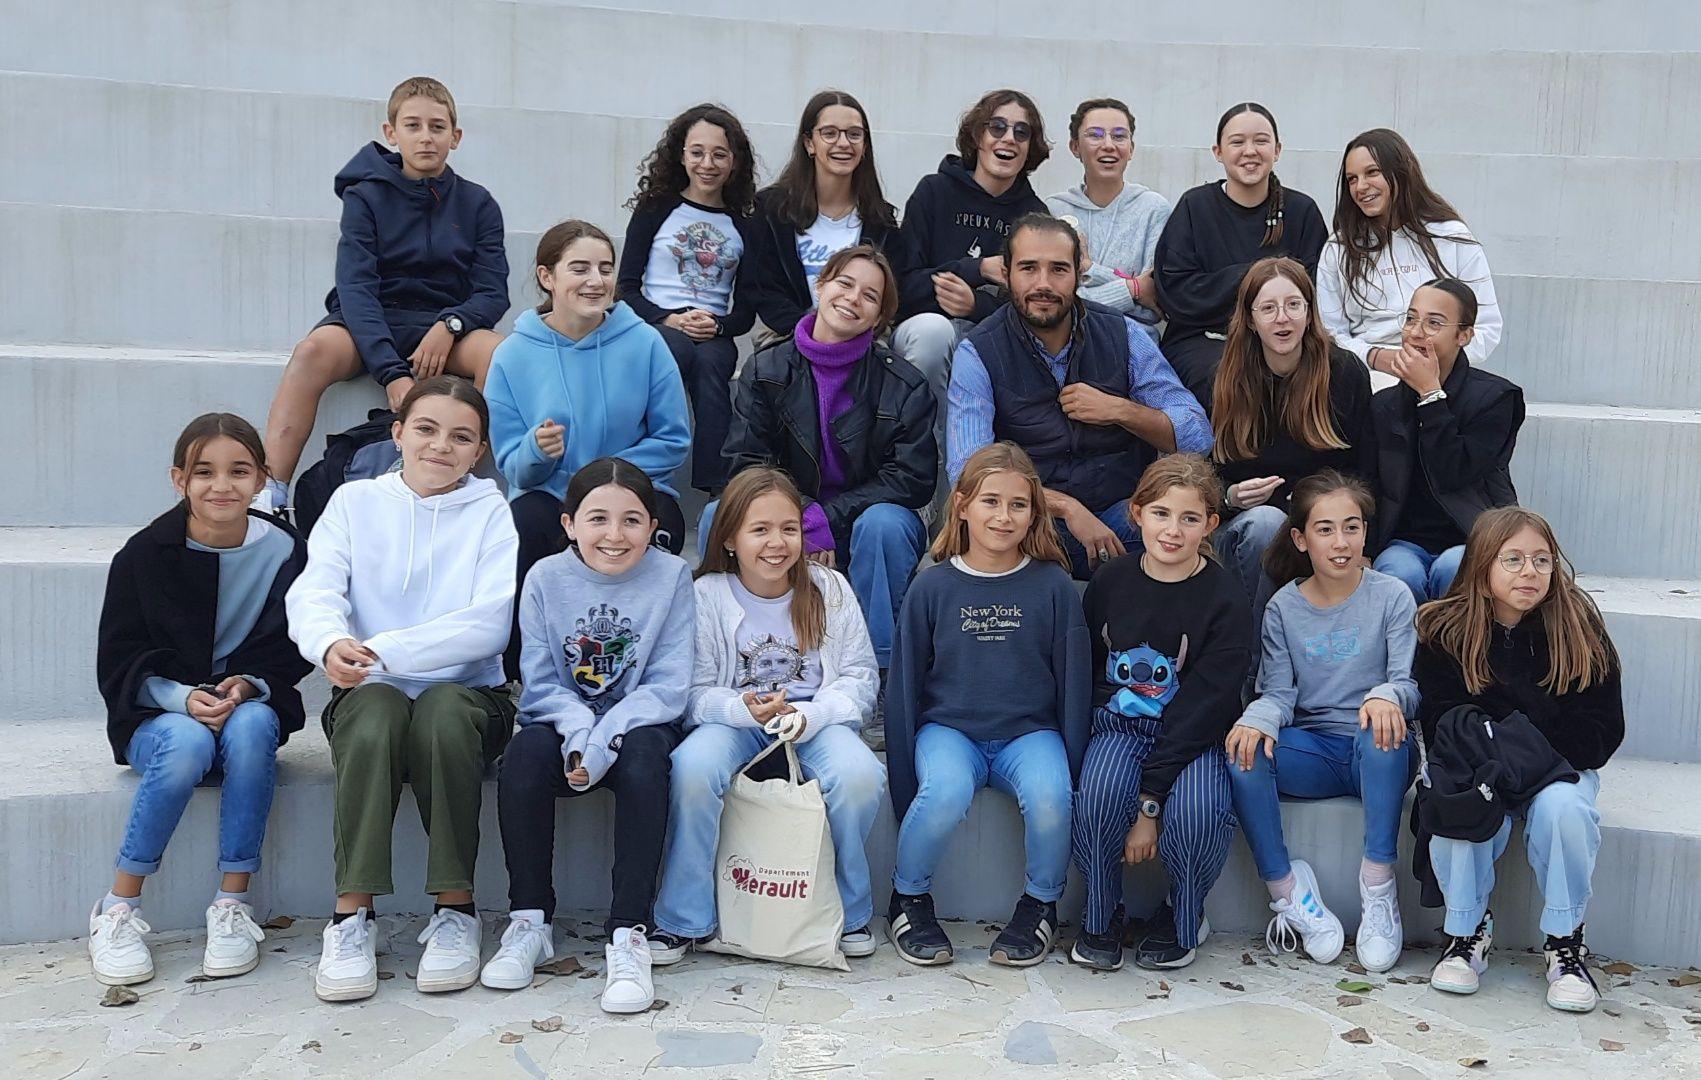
<point>768,656</point>
<point>693,260</point>
<point>824,239</point>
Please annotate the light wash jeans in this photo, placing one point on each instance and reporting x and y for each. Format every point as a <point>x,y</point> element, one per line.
<point>1313,764</point>
<point>175,752</point>
<point>852,783</point>
<point>1562,834</point>
<point>1428,576</point>
<point>950,767</point>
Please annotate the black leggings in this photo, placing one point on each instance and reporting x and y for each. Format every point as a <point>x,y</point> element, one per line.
<point>533,775</point>
<point>706,367</point>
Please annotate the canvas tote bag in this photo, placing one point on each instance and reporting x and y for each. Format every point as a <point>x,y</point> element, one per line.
<point>774,883</point>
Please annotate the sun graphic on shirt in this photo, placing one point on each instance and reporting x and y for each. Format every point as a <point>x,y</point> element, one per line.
<point>768,663</point>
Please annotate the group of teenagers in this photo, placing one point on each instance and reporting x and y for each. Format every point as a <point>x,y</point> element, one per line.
<point>1294,587</point>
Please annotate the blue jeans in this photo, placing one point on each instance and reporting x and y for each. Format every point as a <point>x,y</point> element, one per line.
<point>1427,576</point>
<point>1194,832</point>
<point>174,752</point>
<point>886,545</point>
<point>950,767</point>
<point>1562,834</point>
<point>852,782</point>
<point>1315,764</point>
<point>1241,544</point>
<point>1116,516</point>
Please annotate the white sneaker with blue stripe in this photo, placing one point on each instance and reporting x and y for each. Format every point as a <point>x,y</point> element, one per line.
<point>1303,919</point>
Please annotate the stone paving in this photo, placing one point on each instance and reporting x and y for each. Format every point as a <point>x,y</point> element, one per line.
<point>1235,1013</point>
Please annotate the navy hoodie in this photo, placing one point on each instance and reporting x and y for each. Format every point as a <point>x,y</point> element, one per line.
<point>413,252</point>
<point>951,224</point>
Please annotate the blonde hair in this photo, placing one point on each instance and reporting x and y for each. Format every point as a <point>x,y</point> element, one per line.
<point>808,607</point>
<point>1040,544</point>
<point>426,87</point>
<point>1190,472</point>
<point>1461,624</point>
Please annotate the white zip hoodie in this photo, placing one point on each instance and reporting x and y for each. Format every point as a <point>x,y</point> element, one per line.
<point>426,584</point>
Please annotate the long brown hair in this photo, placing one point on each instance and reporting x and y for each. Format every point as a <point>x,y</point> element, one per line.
<point>1041,543</point>
<point>1190,472</point>
<point>808,607</point>
<point>794,196</point>
<point>1413,205</point>
<point>1247,398</point>
<point>1283,561</point>
<point>1461,624</point>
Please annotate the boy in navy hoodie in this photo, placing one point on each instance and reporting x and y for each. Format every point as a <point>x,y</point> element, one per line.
<point>422,277</point>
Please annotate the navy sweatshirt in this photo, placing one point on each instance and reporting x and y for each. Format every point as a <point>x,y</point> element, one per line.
<point>996,657</point>
<point>414,251</point>
<point>951,224</point>
<point>1175,651</point>
<point>635,258</point>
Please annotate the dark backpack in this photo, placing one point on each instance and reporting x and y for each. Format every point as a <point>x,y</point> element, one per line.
<point>360,453</point>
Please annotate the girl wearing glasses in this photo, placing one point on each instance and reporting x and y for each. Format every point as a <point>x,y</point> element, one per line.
<point>1519,636</point>
<point>1439,445</point>
<point>1218,230</point>
<point>1119,221</point>
<point>1287,404</point>
<point>1392,233</point>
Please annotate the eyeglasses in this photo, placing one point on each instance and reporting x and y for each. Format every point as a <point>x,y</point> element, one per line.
<point>830,134</point>
<point>1117,136</point>
<point>1513,562</point>
<point>1295,306</point>
<point>998,127</point>
<point>1431,326</point>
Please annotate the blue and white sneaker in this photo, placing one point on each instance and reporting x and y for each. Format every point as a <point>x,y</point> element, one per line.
<point>1303,919</point>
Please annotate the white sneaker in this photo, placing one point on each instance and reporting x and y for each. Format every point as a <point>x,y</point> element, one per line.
<point>1570,987</point>
<point>1303,918</point>
<point>1381,935</point>
<point>450,961</point>
<point>233,940</point>
<point>525,945</point>
<point>1466,958</point>
<point>858,943</point>
<point>627,957</point>
<point>116,947</point>
<point>348,966</point>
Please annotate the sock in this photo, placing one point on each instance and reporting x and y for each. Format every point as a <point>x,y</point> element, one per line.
<point>1375,873</point>
<point>112,900</point>
<point>465,909</point>
<point>534,916</point>
<point>341,915</point>
<point>234,897</point>
<point>1281,889</point>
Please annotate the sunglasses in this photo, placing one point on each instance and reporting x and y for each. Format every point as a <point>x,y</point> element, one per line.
<point>998,127</point>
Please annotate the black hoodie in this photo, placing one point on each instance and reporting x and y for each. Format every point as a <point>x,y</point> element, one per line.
<point>427,248</point>
<point>951,224</point>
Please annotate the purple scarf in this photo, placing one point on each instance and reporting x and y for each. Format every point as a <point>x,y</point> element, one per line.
<point>832,364</point>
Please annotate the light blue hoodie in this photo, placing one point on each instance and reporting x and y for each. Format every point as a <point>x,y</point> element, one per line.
<point>617,391</point>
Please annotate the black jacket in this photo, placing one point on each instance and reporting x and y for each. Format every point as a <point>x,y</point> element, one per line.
<point>1463,442</point>
<point>950,224</point>
<point>776,278</point>
<point>158,619</point>
<point>641,232</point>
<point>886,436</point>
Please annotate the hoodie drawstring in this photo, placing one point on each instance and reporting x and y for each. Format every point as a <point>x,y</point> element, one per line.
<point>408,576</point>
<point>431,552</point>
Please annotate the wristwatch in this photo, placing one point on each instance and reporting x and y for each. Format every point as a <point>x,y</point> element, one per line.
<point>1150,808</point>
<point>456,325</point>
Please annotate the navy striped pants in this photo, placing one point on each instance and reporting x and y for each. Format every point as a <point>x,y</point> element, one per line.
<point>1196,828</point>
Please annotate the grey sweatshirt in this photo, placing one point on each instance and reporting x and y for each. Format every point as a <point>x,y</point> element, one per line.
<point>1321,664</point>
<point>1122,236</point>
<point>602,655</point>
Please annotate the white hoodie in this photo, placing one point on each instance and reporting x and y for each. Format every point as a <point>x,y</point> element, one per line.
<point>426,584</point>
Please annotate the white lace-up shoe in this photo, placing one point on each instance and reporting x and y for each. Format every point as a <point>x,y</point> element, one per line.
<point>1303,918</point>
<point>450,961</point>
<point>1381,935</point>
<point>525,945</point>
<point>1570,986</point>
<point>233,940</point>
<point>1460,968</point>
<point>348,966</point>
<point>116,947</point>
<point>629,988</point>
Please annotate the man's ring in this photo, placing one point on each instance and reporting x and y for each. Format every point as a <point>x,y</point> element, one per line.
<point>1104,553</point>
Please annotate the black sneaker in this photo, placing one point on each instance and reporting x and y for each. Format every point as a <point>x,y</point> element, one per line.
<point>666,948</point>
<point>1101,952</point>
<point>1160,949</point>
<point>915,931</point>
<point>1028,936</point>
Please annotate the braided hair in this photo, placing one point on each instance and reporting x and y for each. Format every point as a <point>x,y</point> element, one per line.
<point>1274,202</point>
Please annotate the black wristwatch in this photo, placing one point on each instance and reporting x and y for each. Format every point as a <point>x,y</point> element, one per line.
<point>457,325</point>
<point>1150,807</point>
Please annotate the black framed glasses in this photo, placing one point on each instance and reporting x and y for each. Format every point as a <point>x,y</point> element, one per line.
<point>998,127</point>
<point>829,133</point>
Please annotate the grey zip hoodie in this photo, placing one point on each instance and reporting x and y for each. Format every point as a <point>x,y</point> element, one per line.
<point>1121,236</point>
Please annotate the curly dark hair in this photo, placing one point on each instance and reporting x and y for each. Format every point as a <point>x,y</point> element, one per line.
<point>661,175</point>
<point>974,121</point>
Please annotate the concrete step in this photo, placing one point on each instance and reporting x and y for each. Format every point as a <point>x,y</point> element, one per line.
<point>52,581</point>
<point>63,806</point>
<point>1614,483</point>
<point>1550,97</point>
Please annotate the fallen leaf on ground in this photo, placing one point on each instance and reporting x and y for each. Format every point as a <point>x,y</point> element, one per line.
<point>509,1038</point>
<point>1357,969</point>
<point>278,922</point>
<point>548,1023</point>
<point>385,975</point>
<point>1611,1010</point>
<point>1473,1062</point>
<point>1688,979</point>
<point>1347,1001</point>
<point>1354,986</point>
<point>1247,961</point>
<point>1164,986</point>
<point>657,1005</point>
<point>589,973</point>
<point>1226,985</point>
<point>1417,980</point>
<point>194,1046</point>
<point>1610,1046</point>
<point>1357,1035</point>
<point>1692,1019</point>
<point>119,995</point>
<point>1619,967</point>
<point>312,1045</point>
<point>199,977</point>
<point>567,965</point>
<point>1422,1026</point>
